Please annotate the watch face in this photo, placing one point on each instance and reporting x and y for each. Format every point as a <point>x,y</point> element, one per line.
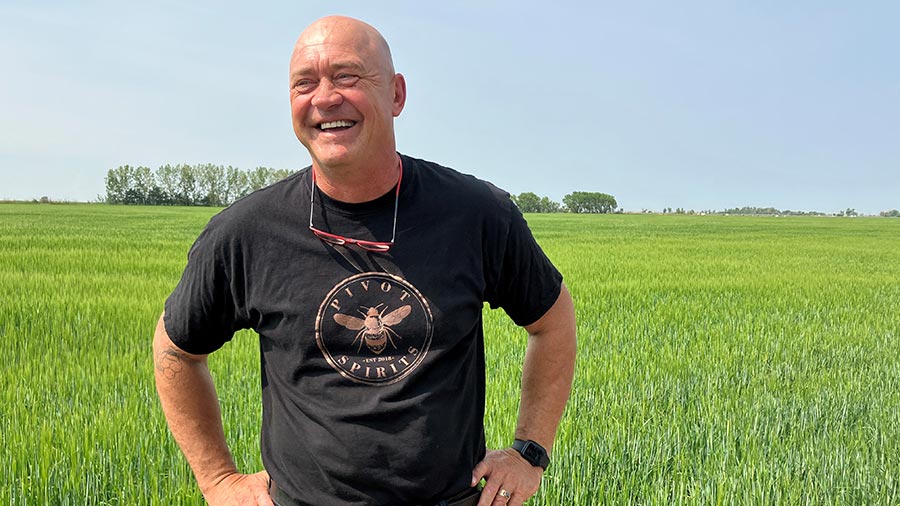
<point>532,453</point>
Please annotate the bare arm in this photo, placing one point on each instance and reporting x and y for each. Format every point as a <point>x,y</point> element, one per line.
<point>547,373</point>
<point>191,407</point>
<point>546,383</point>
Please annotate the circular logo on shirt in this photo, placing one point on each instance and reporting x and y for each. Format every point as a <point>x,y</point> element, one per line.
<point>374,328</point>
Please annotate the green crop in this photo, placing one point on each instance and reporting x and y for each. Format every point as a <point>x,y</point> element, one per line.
<point>722,360</point>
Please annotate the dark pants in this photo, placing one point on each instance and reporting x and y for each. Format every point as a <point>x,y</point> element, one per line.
<point>467,497</point>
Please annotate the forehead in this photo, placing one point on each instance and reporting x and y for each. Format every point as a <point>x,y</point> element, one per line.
<point>338,41</point>
<point>326,56</point>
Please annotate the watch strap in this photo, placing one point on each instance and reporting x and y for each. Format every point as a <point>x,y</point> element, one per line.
<point>534,453</point>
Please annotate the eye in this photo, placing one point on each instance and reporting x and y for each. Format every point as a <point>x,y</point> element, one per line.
<point>344,79</point>
<point>304,85</point>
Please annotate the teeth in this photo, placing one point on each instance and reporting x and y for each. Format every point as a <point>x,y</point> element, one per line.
<point>336,124</point>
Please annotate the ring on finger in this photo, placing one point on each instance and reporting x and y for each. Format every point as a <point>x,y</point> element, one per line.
<point>505,493</point>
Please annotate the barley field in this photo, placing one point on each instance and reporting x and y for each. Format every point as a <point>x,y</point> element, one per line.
<point>722,360</point>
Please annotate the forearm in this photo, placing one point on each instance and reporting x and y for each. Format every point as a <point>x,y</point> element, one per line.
<point>191,407</point>
<point>547,373</point>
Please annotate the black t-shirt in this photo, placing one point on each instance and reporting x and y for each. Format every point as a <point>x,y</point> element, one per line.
<point>372,363</point>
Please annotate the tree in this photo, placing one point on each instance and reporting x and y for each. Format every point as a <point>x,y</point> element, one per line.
<point>118,183</point>
<point>167,183</point>
<point>258,178</point>
<point>549,206</point>
<point>186,191</point>
<point>212,185</point>
<point>528,202</point>
<point>235,184</point>
<point>590,202</point>
<point>143,182</point>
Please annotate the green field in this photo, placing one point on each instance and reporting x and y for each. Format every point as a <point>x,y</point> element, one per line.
<point>722,360</point>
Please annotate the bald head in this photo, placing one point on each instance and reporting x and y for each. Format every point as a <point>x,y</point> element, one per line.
<point>353,34</point>
<point>344,98</point>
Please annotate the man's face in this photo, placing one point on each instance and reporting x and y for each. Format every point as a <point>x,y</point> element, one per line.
<point>344,95</point>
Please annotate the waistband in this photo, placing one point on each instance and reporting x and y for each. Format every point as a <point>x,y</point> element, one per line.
<point>468,497</point>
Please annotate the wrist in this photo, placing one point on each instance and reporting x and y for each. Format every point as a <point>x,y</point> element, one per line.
<point>532,452</point>
<point>211,481</point>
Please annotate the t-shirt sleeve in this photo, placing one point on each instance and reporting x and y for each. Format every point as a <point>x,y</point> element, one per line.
<point>527,284</point>
<point>201,314</point>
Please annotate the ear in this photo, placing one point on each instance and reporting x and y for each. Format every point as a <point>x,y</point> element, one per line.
<point>399,84</point>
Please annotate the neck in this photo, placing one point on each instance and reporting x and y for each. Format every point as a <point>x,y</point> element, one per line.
<point>358,183</point>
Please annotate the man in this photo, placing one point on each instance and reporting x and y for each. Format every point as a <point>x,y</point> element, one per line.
<point>365,276</point>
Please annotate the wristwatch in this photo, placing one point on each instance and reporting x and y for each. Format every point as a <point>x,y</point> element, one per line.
<point>534,453</point>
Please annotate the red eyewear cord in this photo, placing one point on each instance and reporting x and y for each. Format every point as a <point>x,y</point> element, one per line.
<point>340,240</point>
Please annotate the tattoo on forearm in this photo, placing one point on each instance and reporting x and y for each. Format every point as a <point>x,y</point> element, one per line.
<point>169,363</point>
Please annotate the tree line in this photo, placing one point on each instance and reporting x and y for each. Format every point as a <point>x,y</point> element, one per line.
<point>575,202</point>
<point>217,185</point>
<point>771,211</point>
<point>186,185</point>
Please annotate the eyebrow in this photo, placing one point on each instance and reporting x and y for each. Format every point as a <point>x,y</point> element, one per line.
<point>341,65</point>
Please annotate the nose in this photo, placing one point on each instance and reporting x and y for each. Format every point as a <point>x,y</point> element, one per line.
<point>326,95</point>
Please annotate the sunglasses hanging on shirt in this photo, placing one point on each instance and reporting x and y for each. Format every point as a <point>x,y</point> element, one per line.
<point>339,240</point>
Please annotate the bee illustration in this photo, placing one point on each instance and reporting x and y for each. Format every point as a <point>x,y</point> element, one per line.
<point>374,328</point>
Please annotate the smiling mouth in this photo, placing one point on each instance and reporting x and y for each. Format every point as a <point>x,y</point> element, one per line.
<point>335,125</point>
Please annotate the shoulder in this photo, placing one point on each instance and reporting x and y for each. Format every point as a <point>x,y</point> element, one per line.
<point>443,184</point>
<point>245,214</point>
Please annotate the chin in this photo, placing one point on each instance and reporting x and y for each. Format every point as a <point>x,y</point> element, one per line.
<point>333,156</point>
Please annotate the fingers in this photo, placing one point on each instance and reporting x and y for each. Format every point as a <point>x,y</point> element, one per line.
<point>481,470</point>
<point>491,495</point>
<point>262,497</point>
<point>513,499</point>
<point>509,479</point>
<point>484,469</point>
<point>502,498</point>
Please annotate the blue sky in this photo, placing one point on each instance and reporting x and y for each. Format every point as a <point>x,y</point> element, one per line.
<point>701,105</point>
